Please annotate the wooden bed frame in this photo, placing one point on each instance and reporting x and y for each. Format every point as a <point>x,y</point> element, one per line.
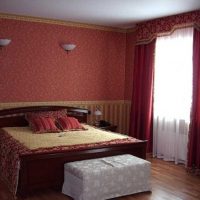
<point>47,169</point>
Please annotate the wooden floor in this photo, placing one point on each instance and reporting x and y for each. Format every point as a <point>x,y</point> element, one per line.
<point>169,182</point>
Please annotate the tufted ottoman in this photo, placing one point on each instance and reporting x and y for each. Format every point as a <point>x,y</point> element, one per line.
<point>104,178</point>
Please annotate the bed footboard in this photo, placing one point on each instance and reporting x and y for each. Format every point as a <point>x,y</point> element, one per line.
<point>47,170</point>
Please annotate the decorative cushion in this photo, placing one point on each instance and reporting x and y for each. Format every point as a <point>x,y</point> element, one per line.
<point>69,123</point>
<point>43,125</point>
<point>53,114</point>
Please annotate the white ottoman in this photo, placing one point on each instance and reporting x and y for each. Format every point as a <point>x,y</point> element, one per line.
<point>104,178</point>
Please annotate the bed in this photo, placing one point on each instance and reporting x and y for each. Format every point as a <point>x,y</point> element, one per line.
<point>45,168</point>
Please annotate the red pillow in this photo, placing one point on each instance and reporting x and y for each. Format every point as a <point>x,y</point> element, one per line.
<point>53,114</point>
<point>69,123</point>
<point>43,125</point>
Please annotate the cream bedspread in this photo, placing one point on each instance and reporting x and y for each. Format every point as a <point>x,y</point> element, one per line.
<point>35,141</point>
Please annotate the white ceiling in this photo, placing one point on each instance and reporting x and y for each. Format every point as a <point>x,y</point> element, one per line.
<point>115,13</point>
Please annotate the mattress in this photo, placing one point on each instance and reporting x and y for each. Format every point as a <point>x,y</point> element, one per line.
<point>46,140</point>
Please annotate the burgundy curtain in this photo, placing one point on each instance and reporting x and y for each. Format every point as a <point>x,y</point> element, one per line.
<point>194,132</point>
<point>141,119</point>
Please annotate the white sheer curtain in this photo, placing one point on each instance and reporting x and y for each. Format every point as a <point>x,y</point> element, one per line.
<point>172,95</point>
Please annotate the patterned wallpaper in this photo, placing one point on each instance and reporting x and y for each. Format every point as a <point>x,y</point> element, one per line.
<point>35,68</point>
<point>149,29</point>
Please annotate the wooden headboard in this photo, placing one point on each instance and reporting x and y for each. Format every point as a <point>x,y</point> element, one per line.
<point>16,116</point>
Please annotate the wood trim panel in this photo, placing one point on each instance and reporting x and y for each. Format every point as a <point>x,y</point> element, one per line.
<point>116,112</point>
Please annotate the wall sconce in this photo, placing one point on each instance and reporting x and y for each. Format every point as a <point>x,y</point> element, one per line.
<point>4,42</point>
<point>68,47</point>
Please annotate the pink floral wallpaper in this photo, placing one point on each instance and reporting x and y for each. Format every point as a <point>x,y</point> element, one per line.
<point>147,30</point>
<point>34,67</point>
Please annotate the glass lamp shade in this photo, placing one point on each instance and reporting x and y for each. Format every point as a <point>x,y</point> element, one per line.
<point>97,113</point>
<point>68,47</point>
<point>4,42</point>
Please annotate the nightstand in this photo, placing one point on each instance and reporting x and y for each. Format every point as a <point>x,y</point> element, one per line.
<point>112,128</point>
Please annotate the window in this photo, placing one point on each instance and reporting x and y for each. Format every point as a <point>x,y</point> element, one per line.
<point>172,94</point>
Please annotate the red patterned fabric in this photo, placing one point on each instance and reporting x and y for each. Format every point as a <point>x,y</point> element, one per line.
<point>11,149</point>
<point>43,125</point>
<point>53,114</point>
<point>194,132</point>
<point>69,123</point>
<point>148,30</point>
<point>142,101</point>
